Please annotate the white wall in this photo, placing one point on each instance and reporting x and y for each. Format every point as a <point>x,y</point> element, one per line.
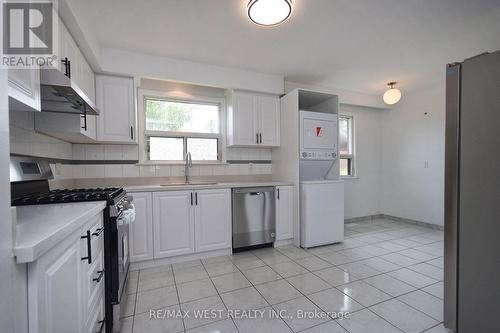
<point>143,65</point>
<point>362,193</point>
<point>25,141</point>
<point>345,96</point>
<point>413,156</point>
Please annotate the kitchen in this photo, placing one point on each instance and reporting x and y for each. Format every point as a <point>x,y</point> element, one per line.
<point>146,180</point>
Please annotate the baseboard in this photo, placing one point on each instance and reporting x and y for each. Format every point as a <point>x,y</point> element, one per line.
<point>393,218</point>
<point>182,258</point>
<point>284,242</point>
<point>364,218</point>
<point>416,222</point>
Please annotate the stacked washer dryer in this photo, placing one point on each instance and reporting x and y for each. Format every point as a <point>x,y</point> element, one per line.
<point>321,190</point>
<point>308,158</point>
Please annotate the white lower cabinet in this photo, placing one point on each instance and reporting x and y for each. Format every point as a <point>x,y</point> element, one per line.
<point>212,220</point>
<point>65,290</point>
<point>284,212</point>
<point>173,223</point>
<point>141,230</point>
<point>191,221</point>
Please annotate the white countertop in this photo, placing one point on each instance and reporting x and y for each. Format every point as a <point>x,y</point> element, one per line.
<point>41,227</point>
<point>154,188</point>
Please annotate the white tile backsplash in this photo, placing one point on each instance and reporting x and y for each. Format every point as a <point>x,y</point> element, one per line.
<point>113,152</point>
<point>147,171</point>
<point>24,140</point>
<point>94,152</point>
<point>78,152</point>
<point>131,170</point>
<point>113,171</point>
<point>130,152</point>
<point>94,171</point>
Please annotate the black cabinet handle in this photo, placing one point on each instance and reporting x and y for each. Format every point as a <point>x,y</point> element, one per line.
<point>132,132</point>
<point>84,116</point>
<point>260,137</point>
<point>97,232</point>
<point>191,198</point>
<point>89,247</point>
<point>196,198</point>
<point>256,137</point>
<point>67,67</point>
<point>99,277</point>
<point>278,193</point>
<point>102,322</point>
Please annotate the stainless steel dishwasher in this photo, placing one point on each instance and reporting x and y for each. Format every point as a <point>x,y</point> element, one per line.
<point>254,218</point>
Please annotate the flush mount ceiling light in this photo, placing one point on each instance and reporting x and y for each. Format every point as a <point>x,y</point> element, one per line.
<point>269,12</point>
<point>393,95</point>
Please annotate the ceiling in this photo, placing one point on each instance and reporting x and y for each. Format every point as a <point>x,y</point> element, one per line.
<point>357,45</point>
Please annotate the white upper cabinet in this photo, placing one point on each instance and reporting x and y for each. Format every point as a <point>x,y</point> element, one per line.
<point>78,69</point>
<point>284,212</point>
<point>253,119</point>
<point>212,219</point>
<point>141,231</point>
<point>115,101</point>
<point>24,89</point>
<point>269,120</point>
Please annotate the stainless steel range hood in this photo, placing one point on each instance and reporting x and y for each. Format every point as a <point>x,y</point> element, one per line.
<point>61,94</point>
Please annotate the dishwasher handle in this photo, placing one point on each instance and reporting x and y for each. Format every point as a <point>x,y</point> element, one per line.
<point>253,190</point>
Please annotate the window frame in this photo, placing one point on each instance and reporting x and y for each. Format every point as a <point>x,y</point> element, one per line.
<point>351,158</point>
<point>144,134</point>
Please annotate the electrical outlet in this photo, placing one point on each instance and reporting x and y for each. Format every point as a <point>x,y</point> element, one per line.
<point>426,165</point>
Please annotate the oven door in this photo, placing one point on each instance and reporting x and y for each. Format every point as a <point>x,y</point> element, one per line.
<point>123,255</point>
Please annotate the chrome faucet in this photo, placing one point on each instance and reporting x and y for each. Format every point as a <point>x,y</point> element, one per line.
<point>189,164</point>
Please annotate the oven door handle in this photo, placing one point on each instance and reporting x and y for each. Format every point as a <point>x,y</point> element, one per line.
<point>99,277</point>
<point>102,322</point>
<point>97,232</point>
<point>89,247</point>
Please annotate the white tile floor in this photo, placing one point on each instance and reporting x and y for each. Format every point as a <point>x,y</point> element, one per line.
<point>387,275</point>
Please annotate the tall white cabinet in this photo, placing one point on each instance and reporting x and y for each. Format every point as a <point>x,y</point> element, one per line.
<point>284,212</point>
<point>253,119</point>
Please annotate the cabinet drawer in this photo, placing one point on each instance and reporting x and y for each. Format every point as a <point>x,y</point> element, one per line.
<point>96,320</point>
<point>94,281</point>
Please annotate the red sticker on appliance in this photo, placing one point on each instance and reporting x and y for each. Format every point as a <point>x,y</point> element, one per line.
<point>319,131</point>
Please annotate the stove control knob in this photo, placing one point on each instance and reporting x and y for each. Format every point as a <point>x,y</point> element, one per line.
<point>304,154</point>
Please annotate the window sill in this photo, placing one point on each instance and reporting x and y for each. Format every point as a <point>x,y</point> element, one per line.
<point>349,177</point>
<point>149,163</point>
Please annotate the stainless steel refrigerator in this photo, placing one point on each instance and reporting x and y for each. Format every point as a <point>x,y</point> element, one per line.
<point>472,196</point>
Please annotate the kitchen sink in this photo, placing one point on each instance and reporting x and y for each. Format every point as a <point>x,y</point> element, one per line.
<point>189,183</point>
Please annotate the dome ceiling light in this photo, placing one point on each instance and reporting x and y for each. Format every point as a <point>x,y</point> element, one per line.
<point>393,95</point>
<point>269,12</point>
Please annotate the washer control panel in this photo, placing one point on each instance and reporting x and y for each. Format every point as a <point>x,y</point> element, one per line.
<point>317,155</point>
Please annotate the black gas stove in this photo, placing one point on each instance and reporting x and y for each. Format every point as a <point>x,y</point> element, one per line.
<point>30,186</point>
<point>109,194</point>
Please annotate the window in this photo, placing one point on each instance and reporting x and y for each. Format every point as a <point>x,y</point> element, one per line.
<point>174,127</point>
<point>346,145</point>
